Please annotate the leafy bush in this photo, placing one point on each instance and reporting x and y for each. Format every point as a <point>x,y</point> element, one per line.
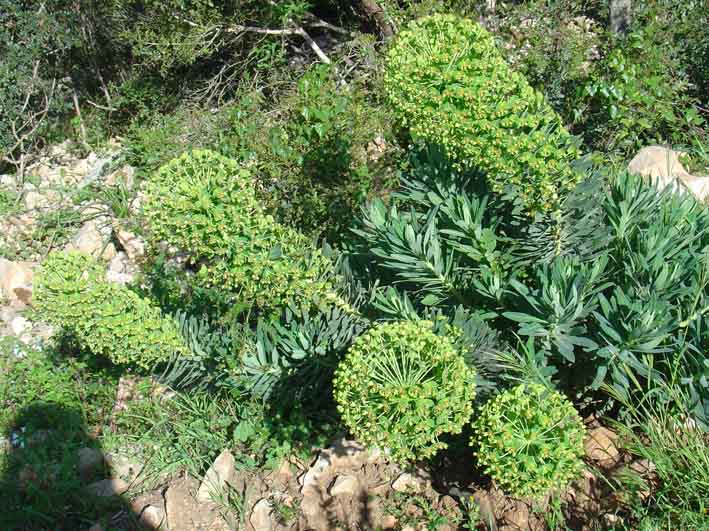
<point>608,291</point>
<point>450,85</point>
<point>107,318</point>
<point>638,95</point>
<point>402,387</point>
<point>529,439</point>
<point>205,205</point>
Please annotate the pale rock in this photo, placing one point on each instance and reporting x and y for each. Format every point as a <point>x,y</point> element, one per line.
<point>185,513</point>
<point>663,166</point>
<point>132,243</point>
<point>108,487</point>
<point>92,239</point>
<point>122,466</point>
<point>124,176</point>
<point>389,522</point>
<point>96,527</point>
<point>220,474</point>
<point>120,269</point>
<point>407,482</point>
<point>260,518</point>
<point>345,486</point>
<point>19,325</point>
<point>7,180</point>
<point>90,462</point>
<point>309,479</point>
<point>35,200</point>
<point>152,517</point>
<point>600,446</point>
<point>15,276</point>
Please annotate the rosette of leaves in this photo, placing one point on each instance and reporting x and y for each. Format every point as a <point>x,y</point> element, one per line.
<point>205,205</point>
<point>402,387</point>
<point>107,318</point>
<point>451,87</point>
<point>529,439</point>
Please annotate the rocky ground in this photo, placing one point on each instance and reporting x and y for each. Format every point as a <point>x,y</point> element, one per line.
<point>90,203</point>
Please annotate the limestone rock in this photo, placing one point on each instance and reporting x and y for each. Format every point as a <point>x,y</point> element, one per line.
<point>124,176</point>
<point>407,482</point>
<point>90,462</point>
<point>600,446</point>
<point>16,280</point>
<point>220,474</point>
<point>345,486</point>
<point>19,325</point>
<point>35,200</point>
<point>108,487</point>
<point>122,466</point>
<point>132,243</point>
<point>185,513</point>
<point>663,167</point>
<point>260,517</point>
<point>93,238</point>
<point>120,269</point>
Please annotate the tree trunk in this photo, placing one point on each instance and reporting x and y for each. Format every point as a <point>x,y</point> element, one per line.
<point>621,16</point>
<point>375,11</point>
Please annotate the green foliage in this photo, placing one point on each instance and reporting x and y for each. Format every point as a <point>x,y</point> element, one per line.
<point>638,95</point>
<point>554,43</point>
<point>607,291</point>
<point>676,474</point>
<point>205,205</point>
<point>108,319</point>
<point>402,387</point>
<point>482,113</point>
<point>530,441</point>
<point>293,359</point>
<point>47,407</point>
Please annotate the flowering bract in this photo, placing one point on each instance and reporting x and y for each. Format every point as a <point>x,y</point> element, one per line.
<point>530,440</point>
<point>401,387</point>
<point>450,85</point>
<point>108,319</point>
<point>205,205</point>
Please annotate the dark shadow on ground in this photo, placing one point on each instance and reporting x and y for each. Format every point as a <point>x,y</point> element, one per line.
<point>48,462</point>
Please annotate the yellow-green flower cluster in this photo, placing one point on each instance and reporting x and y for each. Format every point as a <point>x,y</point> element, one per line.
<point>451,87</point>
<point>530,441</point>
<point>205,205</point>
<point>110,320</point>
<point>401,387</point>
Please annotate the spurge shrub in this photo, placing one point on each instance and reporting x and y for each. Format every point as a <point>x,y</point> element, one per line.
<point>107,318</point>
<point>451,87</point>
<point>530,440</point>
<point>205,205</point>
<point>401,387</point>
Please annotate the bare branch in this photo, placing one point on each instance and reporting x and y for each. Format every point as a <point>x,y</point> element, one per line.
<point>294,31</point>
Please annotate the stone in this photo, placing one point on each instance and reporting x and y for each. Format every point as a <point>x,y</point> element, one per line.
<point>108,487</point>
<point>600,446</point>
<point>16,276</point>
<point>389,522</point>
<point>120,269</point>
<point>90,462</point>
<point>185,513</point>
<point>133,245</point>
<point>124,176</point>
<point>122,466</point>
<point>407,482</point>
<point>345,486</point>
<point>35,200</point>
<point>663,166</point>
<point>260,518</point>
<point>310,478</point>
<point>92,238</point>
<point>152,517</point>
<point>96,527</point>
<point>19,325</point>
<point>218,477</point>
